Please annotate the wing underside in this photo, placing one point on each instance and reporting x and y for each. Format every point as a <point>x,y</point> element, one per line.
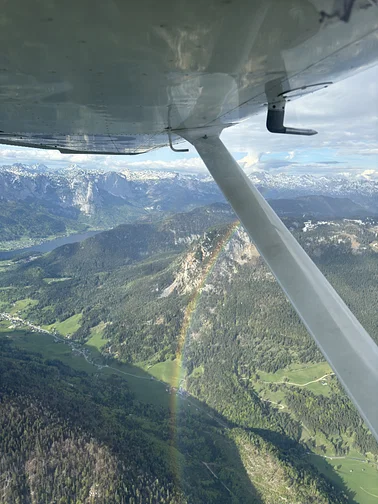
<point>112,77</point>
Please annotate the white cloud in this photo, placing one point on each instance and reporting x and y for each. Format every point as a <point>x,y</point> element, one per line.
<point>249,160</point>
<point>32,155</point>
<point>193,164</point>
<point>346,117</point>
<point>369,174</point>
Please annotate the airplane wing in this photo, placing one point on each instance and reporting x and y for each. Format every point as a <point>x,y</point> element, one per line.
<point>127,77</point>
<point>115,77</point>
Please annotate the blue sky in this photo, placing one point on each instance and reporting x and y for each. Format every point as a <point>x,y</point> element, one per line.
<point>345,115</point>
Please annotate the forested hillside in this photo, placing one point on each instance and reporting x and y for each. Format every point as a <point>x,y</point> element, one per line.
<point>189,302</point>
<point>70,437</point>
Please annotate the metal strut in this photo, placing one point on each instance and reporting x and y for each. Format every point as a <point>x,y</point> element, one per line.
<point>345,344</point>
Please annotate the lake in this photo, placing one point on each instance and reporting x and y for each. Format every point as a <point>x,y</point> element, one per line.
<point>48,246</point>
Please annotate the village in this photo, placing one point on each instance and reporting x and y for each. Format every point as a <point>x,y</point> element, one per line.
<point>77,349</point>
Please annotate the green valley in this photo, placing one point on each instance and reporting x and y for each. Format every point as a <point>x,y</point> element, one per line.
<point>194,326</point>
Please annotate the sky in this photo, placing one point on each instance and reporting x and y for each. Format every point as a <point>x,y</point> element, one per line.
<point>345,115</point>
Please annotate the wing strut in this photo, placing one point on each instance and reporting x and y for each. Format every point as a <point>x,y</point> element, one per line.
<point>348,348</point>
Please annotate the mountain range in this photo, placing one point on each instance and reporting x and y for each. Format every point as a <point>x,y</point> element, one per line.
<point>37,203</point>
<point>90,189</point>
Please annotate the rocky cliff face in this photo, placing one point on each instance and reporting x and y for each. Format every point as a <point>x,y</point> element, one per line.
<point>218,253</point>
<point>224,251</point>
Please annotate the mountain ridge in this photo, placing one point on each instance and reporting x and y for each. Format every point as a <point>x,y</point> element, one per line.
<point>37,203</point>
<point>122,182</point>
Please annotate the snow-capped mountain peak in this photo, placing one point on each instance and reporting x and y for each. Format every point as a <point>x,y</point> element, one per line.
<point>89,190</point>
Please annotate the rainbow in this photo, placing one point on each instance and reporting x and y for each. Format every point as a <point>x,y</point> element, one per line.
<point>183,336</point>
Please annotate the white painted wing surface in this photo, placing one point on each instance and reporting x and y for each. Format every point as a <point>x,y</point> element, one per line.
<point>99,76</point>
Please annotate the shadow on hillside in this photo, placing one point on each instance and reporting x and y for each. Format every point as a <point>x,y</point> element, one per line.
<point>168,432</point>
<point>191,423</point>
<point>286,444</point>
